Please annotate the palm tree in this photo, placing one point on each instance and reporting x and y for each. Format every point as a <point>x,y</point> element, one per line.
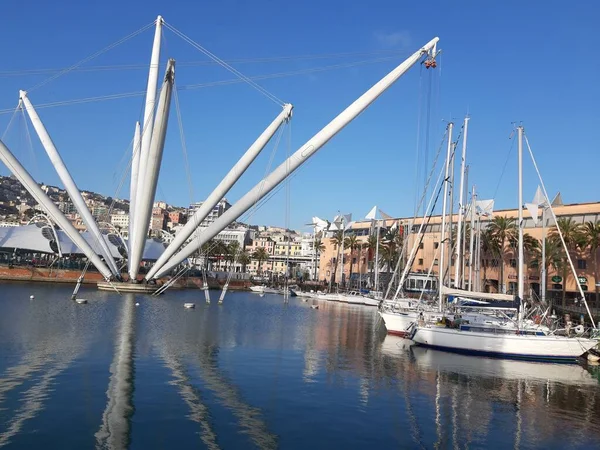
<point>233,248</point>
<point>319,246</point>
<point>244,260</point>
<point>490,249</point>
<point>572,235</point>
<point>261,255</point>
<point>337,240</point>
<point>502,229</point>
<point>351,242</point>
<point>371,246</point>
<point>591,234</point>
<point>554,256</point>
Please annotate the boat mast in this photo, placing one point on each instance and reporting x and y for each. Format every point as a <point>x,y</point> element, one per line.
<point>341,259</point>
<point>443,231</point>
<point>146,138</point>
<point>464,234</point>
<point>149,178</point>
<point>459,231</point>
<point>376,255</point>
<point>69,184</point>
<point>51,209</point>
<point>299,157</point>
<point>135,167</point>
<point>451,216</point>
<point>222,188</point>
<point>543,270</point>
<point>472,237</point>
<point>520,260</point>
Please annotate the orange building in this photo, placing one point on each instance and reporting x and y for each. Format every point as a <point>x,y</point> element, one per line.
<point>427,255</point>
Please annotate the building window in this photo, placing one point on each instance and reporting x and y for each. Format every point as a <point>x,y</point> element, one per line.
<point>582,264</point>
<point>513,262</point>
<point>436,245</point>
<point>421,246</point>
<point>557,287</point>
<point>435,262</point>
<point>353,260</point>
<point>420,261</point>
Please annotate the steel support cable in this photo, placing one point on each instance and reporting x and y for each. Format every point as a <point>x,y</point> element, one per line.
<point>116,67</point>
<point>205,85</point>
<point>215,58</point>
<point>89,58</point>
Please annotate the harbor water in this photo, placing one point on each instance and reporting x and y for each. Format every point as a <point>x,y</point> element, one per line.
<point>256,372</point>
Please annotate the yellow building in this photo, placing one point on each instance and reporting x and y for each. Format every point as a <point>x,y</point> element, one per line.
<point>426,257</point>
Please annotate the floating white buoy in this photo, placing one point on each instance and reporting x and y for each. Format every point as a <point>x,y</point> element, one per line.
<point>314,306</point>
<point>137,304</point>
<point>189,305</point>
<point>31,297</point>
<point>81,301</point>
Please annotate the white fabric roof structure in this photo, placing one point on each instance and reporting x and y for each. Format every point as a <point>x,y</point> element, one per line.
<point>37,238</point>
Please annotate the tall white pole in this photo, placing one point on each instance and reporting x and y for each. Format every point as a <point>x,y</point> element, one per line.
<point>147,125</point>
<point>298,158</point>
<point>51,209</point>
<point>543,270</point>
<point>451,215</point>
<point>377,256</point>
<point>459,231</point>
<point>478,257</point>
<point>444,208</point>
<point>341,262</point>
<point>521,259</point>
<point>149,179</point>
<point>69,184</point>
<point>221,190</point>
<point>135,167</point>
<point>464,234</point>
<point>471,240</point>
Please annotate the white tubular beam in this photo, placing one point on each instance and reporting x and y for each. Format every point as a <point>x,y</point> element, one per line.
<point>298,158</point>
<point>148,123</point>
<point>461,207</point>
<point>50,208</point>
<point>69,184</point>
<point>219,192</point>
<point>149,179</point>
<point>135,166</point>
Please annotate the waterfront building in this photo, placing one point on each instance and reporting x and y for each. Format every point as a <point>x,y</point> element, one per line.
<point>120,220</point>
<point>362,260</point>
<point>214,214</point>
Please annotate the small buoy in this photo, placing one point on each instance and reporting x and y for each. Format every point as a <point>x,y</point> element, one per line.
<point>314,306</point>
<point>189,305</point>
<point>81,301</point>
<point>137,304</point>
<point>31,297</point>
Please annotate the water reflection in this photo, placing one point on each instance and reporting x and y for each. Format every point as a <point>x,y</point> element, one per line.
<point>257,373</point>
<point>114,432</point>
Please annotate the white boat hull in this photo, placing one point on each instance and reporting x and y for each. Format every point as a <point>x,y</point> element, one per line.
<point>518,346</point>
<point>397,323</point>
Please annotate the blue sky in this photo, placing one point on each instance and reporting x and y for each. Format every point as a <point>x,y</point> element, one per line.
<point>502,62</point>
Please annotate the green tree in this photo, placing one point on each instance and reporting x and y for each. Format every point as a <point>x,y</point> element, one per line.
<point>260,255</point>
<point>233,248</point>
<point>591,239</point>
<point>244,259</point>
<point>337,240</point>
<point>351,243</point>
<point>573,236</point>
<point>371,246</point>
<point>502,229</point>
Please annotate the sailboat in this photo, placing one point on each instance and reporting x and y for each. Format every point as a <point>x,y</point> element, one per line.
<point>520,343</point>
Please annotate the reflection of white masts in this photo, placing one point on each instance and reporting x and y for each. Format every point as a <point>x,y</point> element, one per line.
<point>297,159</point>
<point>114,432</point>
<point>148,172</point>
<point>221,190</point>
<point>69,183</point>
<point>137,185</point>
<point>51,209</point>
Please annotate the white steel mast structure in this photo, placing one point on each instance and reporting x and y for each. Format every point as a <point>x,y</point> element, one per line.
<point>69,184</point>
<point>461,208</point>
<point>298,158</point>
<point>136,241</point>
<point>221,190</point>
<point>521,259</point>
<point>51,209</point>
<point>135,167</point>
<point>148,175</point>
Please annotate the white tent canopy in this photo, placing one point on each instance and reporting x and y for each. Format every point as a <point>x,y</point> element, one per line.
<point>36,238</point>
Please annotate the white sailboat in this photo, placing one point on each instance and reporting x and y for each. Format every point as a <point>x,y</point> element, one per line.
<point>521,343</point>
